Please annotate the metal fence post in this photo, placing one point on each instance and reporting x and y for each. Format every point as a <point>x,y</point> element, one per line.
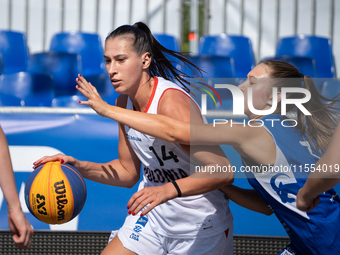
<point>193,26</point>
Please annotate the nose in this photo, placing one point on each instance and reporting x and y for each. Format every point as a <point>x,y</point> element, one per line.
<point>242,86</point>
<point>111,68</point>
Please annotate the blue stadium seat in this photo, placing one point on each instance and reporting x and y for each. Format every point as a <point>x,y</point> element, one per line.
<point>214,66</point>
<point>63,67</point>
<point>14,50</point>
<point>318,48</point>
<point>88,46</point>
<point>10,100</point>
<point>1,65</point>
<point>168,41</point>
<point>237,47</point>
<point>217,70</point>
<point>101,82</point>
<point>331,88</point>
<point>69,101</point>
<point>32,89</point>
<point>305,65</point>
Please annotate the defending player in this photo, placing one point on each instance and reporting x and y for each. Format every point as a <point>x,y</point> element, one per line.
<point>18,224</point>
<point>315,232</point>
<point>170,224</point>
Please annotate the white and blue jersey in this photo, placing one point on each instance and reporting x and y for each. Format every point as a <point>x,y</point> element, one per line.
<point>314,232</point>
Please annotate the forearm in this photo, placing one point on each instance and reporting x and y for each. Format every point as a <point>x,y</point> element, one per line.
<point>206,174</point>
<point>247,198</point>
<point>157,125</point>
<point>193,185</point>
<point>112,173</point>
<point>7,180</point>
<point>315,186</point>
<point>319,181</point>
<point>200,183</point>
<point>8,186</point>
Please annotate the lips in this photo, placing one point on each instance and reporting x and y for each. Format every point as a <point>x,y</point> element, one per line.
<point>115,81</point>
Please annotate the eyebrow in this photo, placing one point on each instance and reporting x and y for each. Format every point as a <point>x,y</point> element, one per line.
<point>117,56</point>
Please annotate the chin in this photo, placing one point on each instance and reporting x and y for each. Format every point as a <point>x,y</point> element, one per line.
<point>118,89</point>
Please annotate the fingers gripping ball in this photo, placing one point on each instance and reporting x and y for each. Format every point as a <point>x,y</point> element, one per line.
<point>55,193</point>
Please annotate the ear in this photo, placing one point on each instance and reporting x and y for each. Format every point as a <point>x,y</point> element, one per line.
<point>270,102</point>
<point>279,97</point>
<point>146,60</point>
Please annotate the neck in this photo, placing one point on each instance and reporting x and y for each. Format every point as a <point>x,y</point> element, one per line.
<point>254,117</point>
<point>141,97</point>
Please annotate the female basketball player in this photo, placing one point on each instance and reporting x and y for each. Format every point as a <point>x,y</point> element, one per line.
<point>275,143</point>
<point>182,220</point>
<point>18,224</point>
<point>324,178</point>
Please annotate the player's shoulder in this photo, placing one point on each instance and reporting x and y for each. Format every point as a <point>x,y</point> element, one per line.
<point>166,85</point>
<point>170,91</point>
<point>173,98</point>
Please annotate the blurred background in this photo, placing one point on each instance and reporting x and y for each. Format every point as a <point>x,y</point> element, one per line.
<point>44,44</point>
<point>263,21</point>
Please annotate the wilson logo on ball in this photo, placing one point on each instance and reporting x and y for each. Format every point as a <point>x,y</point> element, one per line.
<point>61,201</point>
<point>55,193</point>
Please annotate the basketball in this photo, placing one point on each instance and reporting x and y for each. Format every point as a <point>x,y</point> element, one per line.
<point>55,193</point>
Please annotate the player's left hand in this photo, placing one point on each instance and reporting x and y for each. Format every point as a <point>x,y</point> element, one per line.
<point>151,196</point>
<point>304,204</point>
<point>94,99</point>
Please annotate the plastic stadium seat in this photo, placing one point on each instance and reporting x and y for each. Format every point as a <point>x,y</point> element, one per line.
<point>10,100</point>
<point>217,70</point>
<point>69,101</point>
<point>14,50</point>
<point>214,66</point>
<point>1,65</point>
<point>33,89</point>
<point>63,67</point>
<point>305,65</point>
<point>168,41</point>
<point>88,46</point>
<point>237,47</point>
<point>101,82</point>
<point>318,48</point>
<point>331,88</point>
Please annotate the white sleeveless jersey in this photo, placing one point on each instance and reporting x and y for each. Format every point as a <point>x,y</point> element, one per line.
<point>200,215</point>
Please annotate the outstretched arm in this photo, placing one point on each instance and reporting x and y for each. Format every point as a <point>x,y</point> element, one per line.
<point>159,126</point>
<point>319,181</point>
<point>166,127</point>
<point>20,227</point>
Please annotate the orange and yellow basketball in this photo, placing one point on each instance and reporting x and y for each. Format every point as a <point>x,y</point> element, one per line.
<point>55,193</point>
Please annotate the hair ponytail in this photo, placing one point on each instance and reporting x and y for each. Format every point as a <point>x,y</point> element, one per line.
<point>321,124</point>
<point>160,65</point>
<point>318,127</point>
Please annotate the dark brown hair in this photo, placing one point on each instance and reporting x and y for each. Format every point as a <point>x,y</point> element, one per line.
<point>319,127</point>
<point>144,41</point>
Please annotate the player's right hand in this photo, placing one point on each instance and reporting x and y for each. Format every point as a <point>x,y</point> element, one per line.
<point>21,229</point>
<point>94,99</point>
<point>58,157</point>
<point>304,203</point>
